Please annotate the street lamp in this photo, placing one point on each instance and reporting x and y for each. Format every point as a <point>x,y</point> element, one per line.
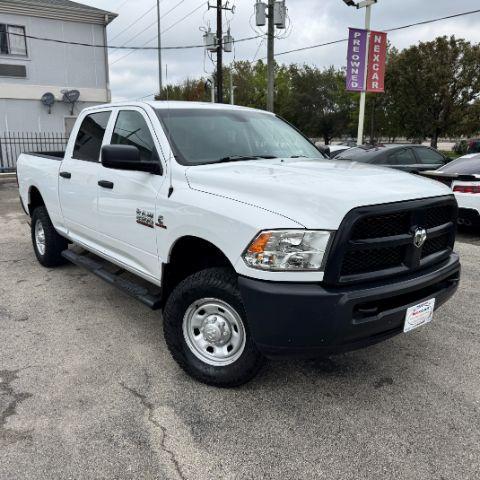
<point>364,3</point>
<point>367,4</point>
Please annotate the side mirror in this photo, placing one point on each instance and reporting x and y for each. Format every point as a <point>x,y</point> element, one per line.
<point>127,157</point>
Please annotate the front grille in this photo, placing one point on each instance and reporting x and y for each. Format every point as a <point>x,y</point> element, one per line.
<point>436,216</point>
<point>378,241</point>
<point>373,259</point>
<point>381,226</point>
<point>435,245</point>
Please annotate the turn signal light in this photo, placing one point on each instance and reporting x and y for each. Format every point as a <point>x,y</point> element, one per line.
<point>259,244</point>
<point>467,188</point>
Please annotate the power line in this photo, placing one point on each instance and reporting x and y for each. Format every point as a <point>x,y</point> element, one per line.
<point>122,4</point>
<point>130,25</point>
<point>184,47</point>
<point>403,27</point>
<point>176,47</point>
<point>163,32</point>
<point>423,22</point>
<point>152,24</point>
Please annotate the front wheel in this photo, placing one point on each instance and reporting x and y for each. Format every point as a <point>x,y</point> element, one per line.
<point>206,330</point>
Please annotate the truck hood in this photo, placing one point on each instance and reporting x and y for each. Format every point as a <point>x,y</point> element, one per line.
<point>313,193</point>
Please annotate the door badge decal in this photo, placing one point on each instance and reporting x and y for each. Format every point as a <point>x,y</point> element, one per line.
<point>160,222</point>
<point>145,218</point>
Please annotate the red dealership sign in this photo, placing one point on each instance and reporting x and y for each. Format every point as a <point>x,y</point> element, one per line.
<point>377,55</point>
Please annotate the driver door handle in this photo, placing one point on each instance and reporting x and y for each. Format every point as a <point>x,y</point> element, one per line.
<point>65,174</point>
<point>105,184</point>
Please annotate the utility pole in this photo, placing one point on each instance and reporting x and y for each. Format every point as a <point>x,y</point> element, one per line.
<point>218,44</point>
<point>219,52</point>
<point>363,94</point>
<point>276,13</point>
<point>270,57</point>
<point>160,86</point>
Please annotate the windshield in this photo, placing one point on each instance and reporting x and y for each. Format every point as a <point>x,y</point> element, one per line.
<point>200,136</point>
<point>463,166</point>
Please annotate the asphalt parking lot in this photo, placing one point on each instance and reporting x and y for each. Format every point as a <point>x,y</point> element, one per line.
<point>88,390</point>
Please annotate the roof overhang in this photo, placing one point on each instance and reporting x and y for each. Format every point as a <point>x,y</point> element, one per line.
<point>72,13</point>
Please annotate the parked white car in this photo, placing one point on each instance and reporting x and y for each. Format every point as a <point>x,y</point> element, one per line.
<point>253,243</point>
<point>463,176</point>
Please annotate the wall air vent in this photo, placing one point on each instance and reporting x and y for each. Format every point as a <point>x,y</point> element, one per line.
<point>9,70</point>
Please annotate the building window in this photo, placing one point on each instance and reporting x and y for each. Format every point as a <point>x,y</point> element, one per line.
<point>12,40</point>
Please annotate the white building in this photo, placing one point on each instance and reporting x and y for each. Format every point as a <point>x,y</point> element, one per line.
<point>30,67</point>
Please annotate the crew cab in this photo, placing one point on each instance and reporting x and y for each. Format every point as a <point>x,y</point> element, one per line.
<point>253,243</point>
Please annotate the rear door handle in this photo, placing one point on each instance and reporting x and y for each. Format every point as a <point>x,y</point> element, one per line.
<point>105,184</point>
<point>65,174</point>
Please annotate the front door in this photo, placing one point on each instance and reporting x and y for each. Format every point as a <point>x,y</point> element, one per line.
<point>126,199</point>
<point>78,178</point>
<point>429,158</point>
<point>403,159</point>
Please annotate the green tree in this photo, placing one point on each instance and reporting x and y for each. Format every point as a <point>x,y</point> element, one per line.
<point>434,85</point>
<point>319,104</point>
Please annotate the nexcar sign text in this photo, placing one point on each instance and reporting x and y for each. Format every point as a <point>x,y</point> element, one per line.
<point>377,55</point>
<point>357,61</point>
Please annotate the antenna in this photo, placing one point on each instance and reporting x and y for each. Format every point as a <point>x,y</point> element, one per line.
<point>70,97</point>
<point>48,99</point>
<point>170,188</point>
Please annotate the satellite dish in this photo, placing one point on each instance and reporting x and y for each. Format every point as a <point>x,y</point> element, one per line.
<point>48,99</point>
<point>71,97</point>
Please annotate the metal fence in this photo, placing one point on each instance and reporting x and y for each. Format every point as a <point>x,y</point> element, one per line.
<point>12,144</point>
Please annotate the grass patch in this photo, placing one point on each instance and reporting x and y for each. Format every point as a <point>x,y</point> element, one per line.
<point>450,154</point>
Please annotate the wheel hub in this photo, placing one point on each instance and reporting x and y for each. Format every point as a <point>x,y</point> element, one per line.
<point>216,330</point>
<point>40,237</point>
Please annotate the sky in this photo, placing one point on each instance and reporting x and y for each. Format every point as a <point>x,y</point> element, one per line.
<point>135,75</point>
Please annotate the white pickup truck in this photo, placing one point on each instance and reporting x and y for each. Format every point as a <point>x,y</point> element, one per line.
<point>253,243</point>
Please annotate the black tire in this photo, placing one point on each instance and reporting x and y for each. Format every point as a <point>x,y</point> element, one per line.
<point>54,243</point>
<point>218,283</point>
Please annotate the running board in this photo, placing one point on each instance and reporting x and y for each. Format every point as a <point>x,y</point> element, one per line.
<point>133,289</point>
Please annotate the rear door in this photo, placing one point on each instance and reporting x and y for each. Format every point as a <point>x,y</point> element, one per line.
<point>428,158</point>
<point>78,177</point>
<point>126,206</point>
<point>402,159</point>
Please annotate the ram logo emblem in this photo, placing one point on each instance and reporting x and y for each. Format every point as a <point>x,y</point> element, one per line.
<point>419,237</point>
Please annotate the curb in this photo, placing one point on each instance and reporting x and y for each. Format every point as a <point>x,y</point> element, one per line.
<point>8,177</point>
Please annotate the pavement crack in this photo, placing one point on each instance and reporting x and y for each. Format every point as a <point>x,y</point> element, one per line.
<point>14,260</point>
<point>150,409</point>
<point>13,398</point>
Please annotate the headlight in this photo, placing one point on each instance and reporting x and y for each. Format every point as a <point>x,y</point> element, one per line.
<point>288,250</point>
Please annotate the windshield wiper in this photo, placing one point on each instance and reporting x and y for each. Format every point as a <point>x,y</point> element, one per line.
<point>298,156</point>
<point>235,158</point>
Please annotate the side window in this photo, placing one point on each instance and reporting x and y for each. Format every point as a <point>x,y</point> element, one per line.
<point>131,129</point>
<point>90,137</point>
<point>428,156</point>
<point>12,40</point>
<point>402,157</point>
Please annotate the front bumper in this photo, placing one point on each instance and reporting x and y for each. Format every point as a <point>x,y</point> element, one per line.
<point>310,319</point>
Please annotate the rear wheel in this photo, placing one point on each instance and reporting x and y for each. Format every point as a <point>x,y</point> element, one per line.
<point>48,245</point>
<point>206,330</point>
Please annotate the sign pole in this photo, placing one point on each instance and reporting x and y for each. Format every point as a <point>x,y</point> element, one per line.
<point>361,117</point>
<point>159,40</point>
